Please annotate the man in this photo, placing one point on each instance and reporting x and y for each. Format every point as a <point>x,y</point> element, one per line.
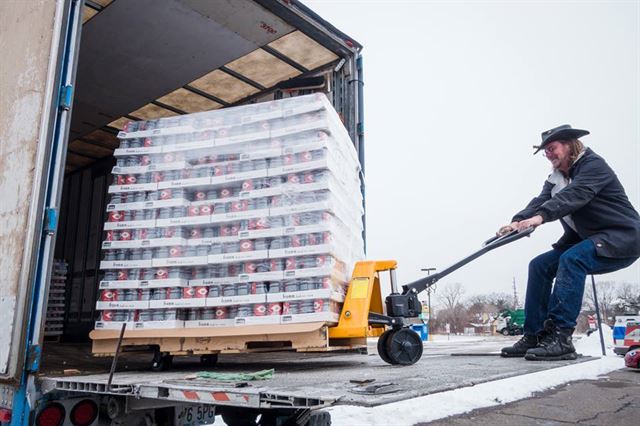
<point>601,235</point>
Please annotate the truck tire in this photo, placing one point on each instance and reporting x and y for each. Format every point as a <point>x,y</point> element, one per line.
<point>239,417</point>
<point>505,331</point>
<point>319,418</point>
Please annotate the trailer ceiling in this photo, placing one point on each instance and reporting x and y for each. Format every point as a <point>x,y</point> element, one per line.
<point>141,60</point>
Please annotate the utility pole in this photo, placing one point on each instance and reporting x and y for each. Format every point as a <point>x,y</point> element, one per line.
<point>428,271</point>
<point>515,295</point>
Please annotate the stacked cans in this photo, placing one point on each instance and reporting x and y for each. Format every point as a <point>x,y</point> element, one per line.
<point>239,216</point>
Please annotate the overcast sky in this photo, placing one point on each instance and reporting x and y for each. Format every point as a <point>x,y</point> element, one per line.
<point>456,93</point>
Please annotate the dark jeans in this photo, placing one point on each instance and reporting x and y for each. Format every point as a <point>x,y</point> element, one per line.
<point>570,269</point>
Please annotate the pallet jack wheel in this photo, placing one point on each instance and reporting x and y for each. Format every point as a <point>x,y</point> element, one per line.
<point>382,346</point>
<point>404,347</point>
<point>161,362</point>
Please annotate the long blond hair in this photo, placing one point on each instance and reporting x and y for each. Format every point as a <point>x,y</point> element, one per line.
<point>576,147</point>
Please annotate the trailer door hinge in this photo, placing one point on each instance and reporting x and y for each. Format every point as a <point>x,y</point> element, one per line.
<point>66,97</point>
<point>33,358</point>
<point>50,220</point>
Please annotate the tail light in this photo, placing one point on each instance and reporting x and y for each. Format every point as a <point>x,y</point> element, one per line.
<point>51,415</point>
<point>5,415</point>
<point>84,413</point>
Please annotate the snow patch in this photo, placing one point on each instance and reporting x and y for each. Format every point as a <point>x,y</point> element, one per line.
<point>463,400</point>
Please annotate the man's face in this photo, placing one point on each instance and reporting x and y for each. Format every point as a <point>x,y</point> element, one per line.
<point>557,153</point>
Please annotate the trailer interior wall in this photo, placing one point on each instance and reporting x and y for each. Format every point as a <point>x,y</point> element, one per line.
<point>29,36</point>
<point>231,53</point>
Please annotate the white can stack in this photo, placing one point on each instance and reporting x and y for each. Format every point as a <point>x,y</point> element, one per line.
<point>247,215</point>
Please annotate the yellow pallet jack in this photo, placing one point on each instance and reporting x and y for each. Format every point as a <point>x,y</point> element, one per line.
<point>363,315</point>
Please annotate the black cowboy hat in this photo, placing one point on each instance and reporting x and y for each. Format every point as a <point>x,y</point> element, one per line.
<point>560,133</point>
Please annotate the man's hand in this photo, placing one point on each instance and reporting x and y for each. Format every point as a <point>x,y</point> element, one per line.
<point>521,226</point>
<point>507,228</point>
<point>532,222</point>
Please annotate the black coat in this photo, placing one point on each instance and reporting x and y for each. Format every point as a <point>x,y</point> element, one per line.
<point>598,205</point>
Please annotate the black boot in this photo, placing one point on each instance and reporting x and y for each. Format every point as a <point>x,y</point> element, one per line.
<point>519,348</point>
<point>556,345</point>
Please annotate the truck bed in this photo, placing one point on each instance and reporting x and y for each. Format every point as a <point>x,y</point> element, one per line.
<point>301,379</point>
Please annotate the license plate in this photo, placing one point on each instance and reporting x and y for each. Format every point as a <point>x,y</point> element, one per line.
<point>195,415</point>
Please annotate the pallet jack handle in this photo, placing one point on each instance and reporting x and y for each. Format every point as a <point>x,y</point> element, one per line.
<point>492,243</point>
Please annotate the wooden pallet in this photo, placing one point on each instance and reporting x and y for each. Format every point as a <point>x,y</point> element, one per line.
<point>303,337</point>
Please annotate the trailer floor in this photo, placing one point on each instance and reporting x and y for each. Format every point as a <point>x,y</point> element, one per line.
<point>326,376</point>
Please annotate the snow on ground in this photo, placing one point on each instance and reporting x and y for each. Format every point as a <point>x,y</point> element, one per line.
<point>462,400</point>
<point>454,338</point>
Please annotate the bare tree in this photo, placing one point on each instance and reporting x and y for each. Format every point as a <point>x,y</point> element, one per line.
<point>628,295</point>
<point>453,311</point>
<point>451,295</point>
<point>607,295</point>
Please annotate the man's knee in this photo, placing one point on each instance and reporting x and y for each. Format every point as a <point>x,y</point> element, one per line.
<point>571,258</point>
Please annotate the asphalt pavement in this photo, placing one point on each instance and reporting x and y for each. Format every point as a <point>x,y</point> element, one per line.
<point>611,400</point>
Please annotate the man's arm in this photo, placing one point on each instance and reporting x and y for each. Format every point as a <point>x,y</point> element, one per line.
<point>534,204</point>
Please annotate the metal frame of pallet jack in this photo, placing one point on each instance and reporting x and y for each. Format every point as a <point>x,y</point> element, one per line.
<point>406,304</point>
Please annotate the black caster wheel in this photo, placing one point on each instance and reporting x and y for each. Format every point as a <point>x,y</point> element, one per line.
<point>404,347</point>
<point>382,346</point>
<point>161,362</point>
<point>209,360</point>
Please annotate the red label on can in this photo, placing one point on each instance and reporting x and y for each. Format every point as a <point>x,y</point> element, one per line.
<point>249,267</point>
<point>125,235</point>
<point>286,308</point>
<point>225,193</point>
<point>188,292</point>
<point>201,292</point>
<point>318,305</point>
<point>158,177</point>
<point>308,177</point>
<point>218,171</point>
<point>175,251</point>
<point>109,295</point>
<point>234,229</point>
<point>165,194</point>
<point>107,315</point>
<point>205,210</point>
<point>201,195</point>
<point>289,159</point>
<point>148,142</point>
<point>195,233</point>
<point>110,236</point>
<point>293,178</point>
<point>239,206</point>
<point>259,309</point>
<point>247,185</point>
<point>115,217</point>
<point>274,309</point>
<point>290,263</point>
<point>169,157</point>
<point>162,273</point>
<point>123,275</point>
<point>145,160</point>
<point>225,231</point>
<point>320,261</point>
<point>221,312</point>
<point>193,211</point>
<point>275,265</point>
<point>131,179</point>
<point>296,241</point>
<point>246,245</point>
<point>305,156</point>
